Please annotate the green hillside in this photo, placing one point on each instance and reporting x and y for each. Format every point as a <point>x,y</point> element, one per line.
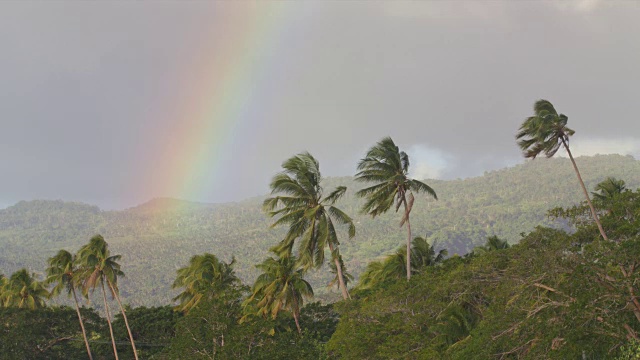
<point>157,237</point>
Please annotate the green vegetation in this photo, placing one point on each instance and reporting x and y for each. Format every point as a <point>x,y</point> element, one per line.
<point>504,203</point>
<point>562,291</point>
<point>204,277</point>
<point>521,301</point>
<point>62,272</point>
<point>386,165</point>
<point>545,132</point>
<point>309,216</point>
<point>281,286</point>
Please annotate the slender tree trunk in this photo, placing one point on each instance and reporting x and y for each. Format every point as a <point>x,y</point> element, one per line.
<point>295,317</point>
<point>343,287</point>
<point>126,322</point>
<point>408,249</point>
<point>406,213</point>
<point>296,311</point>
<point>106,307</point>
<point>586,194</point>
<point>84,333</point>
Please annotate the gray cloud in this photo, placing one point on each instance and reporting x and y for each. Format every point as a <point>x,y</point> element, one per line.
<point>88,90</point>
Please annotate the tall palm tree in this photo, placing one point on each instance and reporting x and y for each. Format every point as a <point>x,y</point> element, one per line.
<point>281,286</point>
<point>388,167</point>
<point>545,132</point>
<point>100,266</point>
<point>23,290</point>
<point>310,217</point>
<point>205,276</point>
<point>62,272</point>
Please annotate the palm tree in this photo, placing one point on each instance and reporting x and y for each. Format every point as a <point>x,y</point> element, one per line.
<point>100,266</point>
<point>63,272</point>
<point>387,166</point>
<point>281,286</point>
<point>372,275</point>
<point>424,254</point>
<point>309,216</point>
<point>393,266</point>
<point>205,276</point>
<point>23,290</point>
<point>493,243</point>
<point>608,189</point>
<point>336,280</point>
<point>545,132</point>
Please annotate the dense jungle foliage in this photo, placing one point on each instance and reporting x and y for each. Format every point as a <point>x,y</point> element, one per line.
<point>553,295</point>
<point>505,203</point>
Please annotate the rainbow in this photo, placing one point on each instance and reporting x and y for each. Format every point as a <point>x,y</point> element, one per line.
<point>190,161</point>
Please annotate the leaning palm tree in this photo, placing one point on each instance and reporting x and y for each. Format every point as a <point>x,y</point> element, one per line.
<point>309,215</point>
<point>204,277</point>
<point>281,286</point>
<point>100,266</point>
<point>62,272</point>
<point>388,167</point>
<point>23,290</point>
<point>545,132</point>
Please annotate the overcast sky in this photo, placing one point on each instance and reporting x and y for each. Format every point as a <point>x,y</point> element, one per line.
<point>82,85</point>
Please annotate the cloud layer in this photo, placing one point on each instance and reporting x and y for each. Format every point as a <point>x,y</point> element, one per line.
<point>90,91</point>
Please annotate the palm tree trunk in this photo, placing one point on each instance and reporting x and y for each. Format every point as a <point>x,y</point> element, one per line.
<point>295,317</point>
<point>343,287</point>
<point>84,333</point>
<point>586,194</point>
<point>296,311</point>
<point>106,307</point>
<point>126,322</point>
<point>406,213</point>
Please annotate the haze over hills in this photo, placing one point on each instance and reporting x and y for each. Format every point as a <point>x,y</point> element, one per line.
<point>157,237</point>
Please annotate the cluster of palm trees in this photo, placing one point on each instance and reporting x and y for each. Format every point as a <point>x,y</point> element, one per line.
<point>22,290</point>
<point>312,219</point>
<point>92,266</point>
<point>298,202</point>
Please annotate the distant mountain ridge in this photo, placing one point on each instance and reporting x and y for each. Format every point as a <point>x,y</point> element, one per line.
<point>161,235</point>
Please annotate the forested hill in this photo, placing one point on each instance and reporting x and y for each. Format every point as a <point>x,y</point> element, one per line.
<point>157,237</point>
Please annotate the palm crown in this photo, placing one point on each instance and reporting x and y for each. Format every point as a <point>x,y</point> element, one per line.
<point>98,264</point>
<point>609,189</point>
<point>23,290</point>
<point>310,216</point>
<point>204,276</point>
<point>544,132</point>
<point>281,286</point>
<point>388,167</point>
<point>62,272</point>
